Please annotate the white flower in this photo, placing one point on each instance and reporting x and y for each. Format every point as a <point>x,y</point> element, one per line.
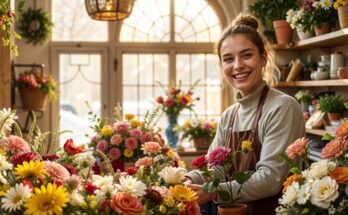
<point>4,165</point>
<point>84,159</point>
<point>316,4</point>
<point>172,175</point>
<point>320,169</point>
<point>324,191</point>
<point>105,191</point>
<point>289,197</point>
<point>15,197</point>
<point>131,185</point>
<point>7,118</point>
<point>101,181</point>
<point>303,193</point>
<point>326,4</point>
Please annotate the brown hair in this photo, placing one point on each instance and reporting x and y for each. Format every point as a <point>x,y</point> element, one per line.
<point>247,25</point>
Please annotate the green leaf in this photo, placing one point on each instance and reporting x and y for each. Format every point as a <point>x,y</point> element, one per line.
<point>224,195</point>
<point>242,177</point>
<point>328,137</point>
<point>346,104</point>
<point>20,6</point>
<point>294,170</point>
<point>286,158</point>
<point>210,187</point>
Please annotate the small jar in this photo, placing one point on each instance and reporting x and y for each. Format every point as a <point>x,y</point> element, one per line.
<point>342,72</point>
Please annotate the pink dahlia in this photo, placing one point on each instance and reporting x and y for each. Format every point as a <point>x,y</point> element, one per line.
<point>114,154</point>
<point>146,138</point>
<point>136,133</point>
<point>56,171</point>
<point>131,143</point>
<point>102,145</point>
<point>15,144</point>
<point>25,156</point>
<point>151,148</point>
<point>218,156</point>
<point>333,149</point>
<point>120,127</point>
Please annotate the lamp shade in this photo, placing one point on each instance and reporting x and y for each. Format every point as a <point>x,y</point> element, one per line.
<point>109,10</point>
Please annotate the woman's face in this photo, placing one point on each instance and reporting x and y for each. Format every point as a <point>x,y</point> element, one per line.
<point>241,63</point>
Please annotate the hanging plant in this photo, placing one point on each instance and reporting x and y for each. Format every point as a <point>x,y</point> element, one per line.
<point>35,25</point>
<point>7,17</point>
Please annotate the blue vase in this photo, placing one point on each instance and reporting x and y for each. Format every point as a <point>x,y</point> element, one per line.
<point>171,135</point>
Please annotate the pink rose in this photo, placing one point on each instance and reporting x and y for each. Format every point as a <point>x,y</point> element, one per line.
<point>120,127</point>
<point>333,149</point>
<point>151,148</point>
<point>116,139</point>
<point>145,161</point>
<point>218,156</point>
<point>15,144</point>
<point>146,138</point>
<point>136,133</point>
<point>102,145</point>
<point>297,148</point>
<point>131,143</point>
<point>114,153</point>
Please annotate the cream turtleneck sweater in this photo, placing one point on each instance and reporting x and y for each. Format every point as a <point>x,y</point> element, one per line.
<point>280,124</point>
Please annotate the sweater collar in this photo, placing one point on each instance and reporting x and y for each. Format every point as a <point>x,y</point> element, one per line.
<point>251,99</point>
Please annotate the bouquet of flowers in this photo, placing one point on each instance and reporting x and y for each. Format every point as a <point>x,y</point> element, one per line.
<point>223,157</point>
<point>340,3</point>
<point>198,129</point>
<point>323,186</point>
<point>176,100</point>
<point>323,12</point>
<point>301,18</point>
<point>32,80</point>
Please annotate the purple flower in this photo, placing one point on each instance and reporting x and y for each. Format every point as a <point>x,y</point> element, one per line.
<point>218,156</point>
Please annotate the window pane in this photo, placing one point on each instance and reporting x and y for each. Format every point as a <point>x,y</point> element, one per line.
<point>195,21</point>
<point>78,71</point>
<point>72,23</point>
<point>145,25</point>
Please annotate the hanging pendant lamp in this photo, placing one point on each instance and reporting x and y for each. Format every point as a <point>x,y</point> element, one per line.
<point>109,10</point>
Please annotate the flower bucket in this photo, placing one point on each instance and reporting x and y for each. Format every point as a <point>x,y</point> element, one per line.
<point>343,17</point>
<point>34,100</point>
<point>202,143</point>
<point>304,35</point>
<point>235,209</point>
<point>283,31</point>
<point>322,29</point>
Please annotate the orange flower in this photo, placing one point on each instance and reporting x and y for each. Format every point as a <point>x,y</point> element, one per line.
<point>125,203</point>
<point>342,129</point>
<point>340,174</point>
<point>333,149</point>
<point>297,148</point>
<point>290,179</point>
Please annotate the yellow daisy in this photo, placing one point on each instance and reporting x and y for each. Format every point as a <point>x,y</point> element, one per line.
<point>183,193</point>
<point>33,169</point>
<point>128,153</point>
<point>169,201</point>
<point>106,130</point>
<point>47,200</point>
<point>129,116</point>
<point>247,146</point>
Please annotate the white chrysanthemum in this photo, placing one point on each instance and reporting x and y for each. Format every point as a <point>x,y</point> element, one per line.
<point>104,192</point>
<point>324,191</point>
<point>326,4</point>
<point>76,199</point>
<point>4,165</point>
<point>289,197</point>
<point>84,159</point>
<point>15,197</point>
<point>7,118</point>
<point>172,175</point>
<point>303,193</point>
<point>320,169</point>
<point>101,181</point>
<point>131,185</point>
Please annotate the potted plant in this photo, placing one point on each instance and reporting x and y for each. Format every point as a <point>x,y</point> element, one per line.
<point>273,15</point>
<point>342,8</point>
<point>301,20</point>
<point>324,16</point>
<point>201,131</point>
<point>305,98</point>
<point>34,88</point>
<point>331,104</point>
<point>222,157</point>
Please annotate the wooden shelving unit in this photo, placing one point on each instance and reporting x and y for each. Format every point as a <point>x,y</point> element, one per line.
<point>335,38</point>
<point>319,83</point>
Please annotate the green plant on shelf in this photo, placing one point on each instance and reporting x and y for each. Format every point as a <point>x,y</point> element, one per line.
<point>331,104</point>
<point>304,96</point>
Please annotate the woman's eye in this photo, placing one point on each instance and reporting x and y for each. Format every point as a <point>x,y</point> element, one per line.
<point>248,55</point>
<point>228,60</point>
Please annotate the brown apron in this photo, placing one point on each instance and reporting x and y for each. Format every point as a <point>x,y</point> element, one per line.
<point>245,162</point>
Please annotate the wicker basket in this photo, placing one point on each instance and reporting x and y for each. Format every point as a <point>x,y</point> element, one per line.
<point>202,143</point>
<point>34,100</point>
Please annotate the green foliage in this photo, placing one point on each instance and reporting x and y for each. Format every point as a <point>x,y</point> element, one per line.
<point>35,25</point>
<point>331,104</point>
<point>304,96</point>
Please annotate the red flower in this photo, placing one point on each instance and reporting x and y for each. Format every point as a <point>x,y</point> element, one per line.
<point>184,100</point>
<point>160,100</point>
<point>9,14</point>
<point>50,157</point>
<point>117,165</point>
<point>199,162</point>
<point>153,195</point>
<point>169,103</point>
<point>72,170</point>
<point>90,187</point>
<point>106,205</point>
<point>131,170</point>
<point>71,148</point>
<point>1,20</point>
<point>308,5</point>
<point>96,169</point>
<point>25,156</point>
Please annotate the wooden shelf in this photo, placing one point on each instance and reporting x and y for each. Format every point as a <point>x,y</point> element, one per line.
<point>335,38</point>
<point>319,132</point>
<point>319,83</point>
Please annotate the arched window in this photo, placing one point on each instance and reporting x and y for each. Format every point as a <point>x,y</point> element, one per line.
<point>170,41</point>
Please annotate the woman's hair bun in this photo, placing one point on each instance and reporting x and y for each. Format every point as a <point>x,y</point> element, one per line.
<point>246,19</point>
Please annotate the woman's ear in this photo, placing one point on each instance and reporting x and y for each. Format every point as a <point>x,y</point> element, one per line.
<point>264,59</point>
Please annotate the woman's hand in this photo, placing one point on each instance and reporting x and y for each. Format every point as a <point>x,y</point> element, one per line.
<point>186,181</point>
<point>203,196</point>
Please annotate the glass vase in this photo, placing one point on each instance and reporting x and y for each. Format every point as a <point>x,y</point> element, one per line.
<point>171,135</point>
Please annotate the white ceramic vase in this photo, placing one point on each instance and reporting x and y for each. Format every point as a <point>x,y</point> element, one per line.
<point>304,35</point>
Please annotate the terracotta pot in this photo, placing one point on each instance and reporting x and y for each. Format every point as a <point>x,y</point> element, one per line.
<point>283,31</point>
<point>343,17</point>
<point>322,29</point>
<point>35,100</point>
<point>202,143</point>
<point>235,209</point>
<point>333,116</point>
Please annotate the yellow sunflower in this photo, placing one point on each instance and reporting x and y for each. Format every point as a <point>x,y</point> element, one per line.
<point>33,169</point>
<point>183,193</point>
<point>47,200</point>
